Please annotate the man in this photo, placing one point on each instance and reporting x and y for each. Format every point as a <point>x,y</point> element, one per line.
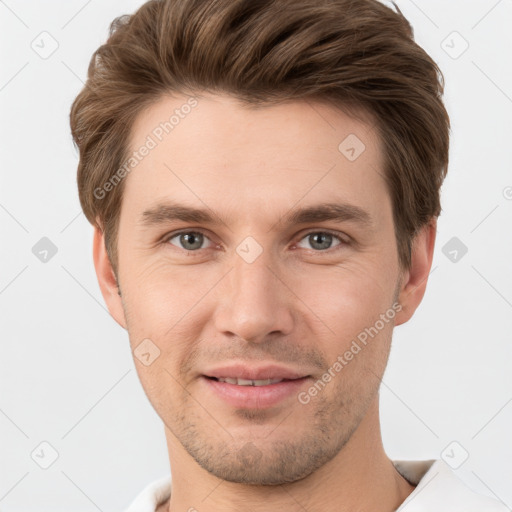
<point>263,178</point>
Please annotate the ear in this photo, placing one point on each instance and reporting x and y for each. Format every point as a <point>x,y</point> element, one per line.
<point>414,280</point>
<point>106,279</point>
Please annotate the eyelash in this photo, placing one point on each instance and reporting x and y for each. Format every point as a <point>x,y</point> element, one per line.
<point>338,236</point>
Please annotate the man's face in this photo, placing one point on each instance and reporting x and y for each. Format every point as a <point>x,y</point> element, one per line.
<point>255,288</point>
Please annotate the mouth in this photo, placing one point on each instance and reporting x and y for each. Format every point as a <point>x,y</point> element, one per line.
<point>249,382</point>
<point>253,393</point>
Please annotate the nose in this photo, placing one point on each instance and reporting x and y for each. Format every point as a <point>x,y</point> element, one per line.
<point>254,301</point>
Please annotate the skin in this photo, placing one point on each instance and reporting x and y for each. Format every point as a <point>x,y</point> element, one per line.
<point>299,304</point>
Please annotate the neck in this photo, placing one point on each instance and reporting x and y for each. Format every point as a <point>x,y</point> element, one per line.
<point>360,477</point>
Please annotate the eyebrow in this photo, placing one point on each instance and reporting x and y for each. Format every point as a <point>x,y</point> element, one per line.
<point>338,212</point>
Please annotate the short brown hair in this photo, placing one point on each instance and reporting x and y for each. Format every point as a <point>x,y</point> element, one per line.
<point>359,55</point>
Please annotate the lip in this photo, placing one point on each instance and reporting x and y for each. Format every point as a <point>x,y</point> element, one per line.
<point>254,397</point>
<point>242,371</point>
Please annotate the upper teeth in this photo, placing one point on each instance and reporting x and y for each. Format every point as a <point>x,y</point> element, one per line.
<point>246,382</point>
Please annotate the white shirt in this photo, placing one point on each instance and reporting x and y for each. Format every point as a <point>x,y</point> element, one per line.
<point>438,489</point>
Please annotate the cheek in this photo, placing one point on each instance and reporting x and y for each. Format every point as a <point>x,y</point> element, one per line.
<point>164,305</point>
<point>159,294</point>
<point>346,298</point>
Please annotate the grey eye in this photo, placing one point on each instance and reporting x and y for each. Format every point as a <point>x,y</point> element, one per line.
<point>321,240</point>
<point>189,240</point>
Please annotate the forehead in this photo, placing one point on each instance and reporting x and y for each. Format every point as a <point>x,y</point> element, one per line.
<point>214,150</point>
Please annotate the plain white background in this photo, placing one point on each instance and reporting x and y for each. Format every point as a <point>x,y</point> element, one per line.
<point>67,378</point>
